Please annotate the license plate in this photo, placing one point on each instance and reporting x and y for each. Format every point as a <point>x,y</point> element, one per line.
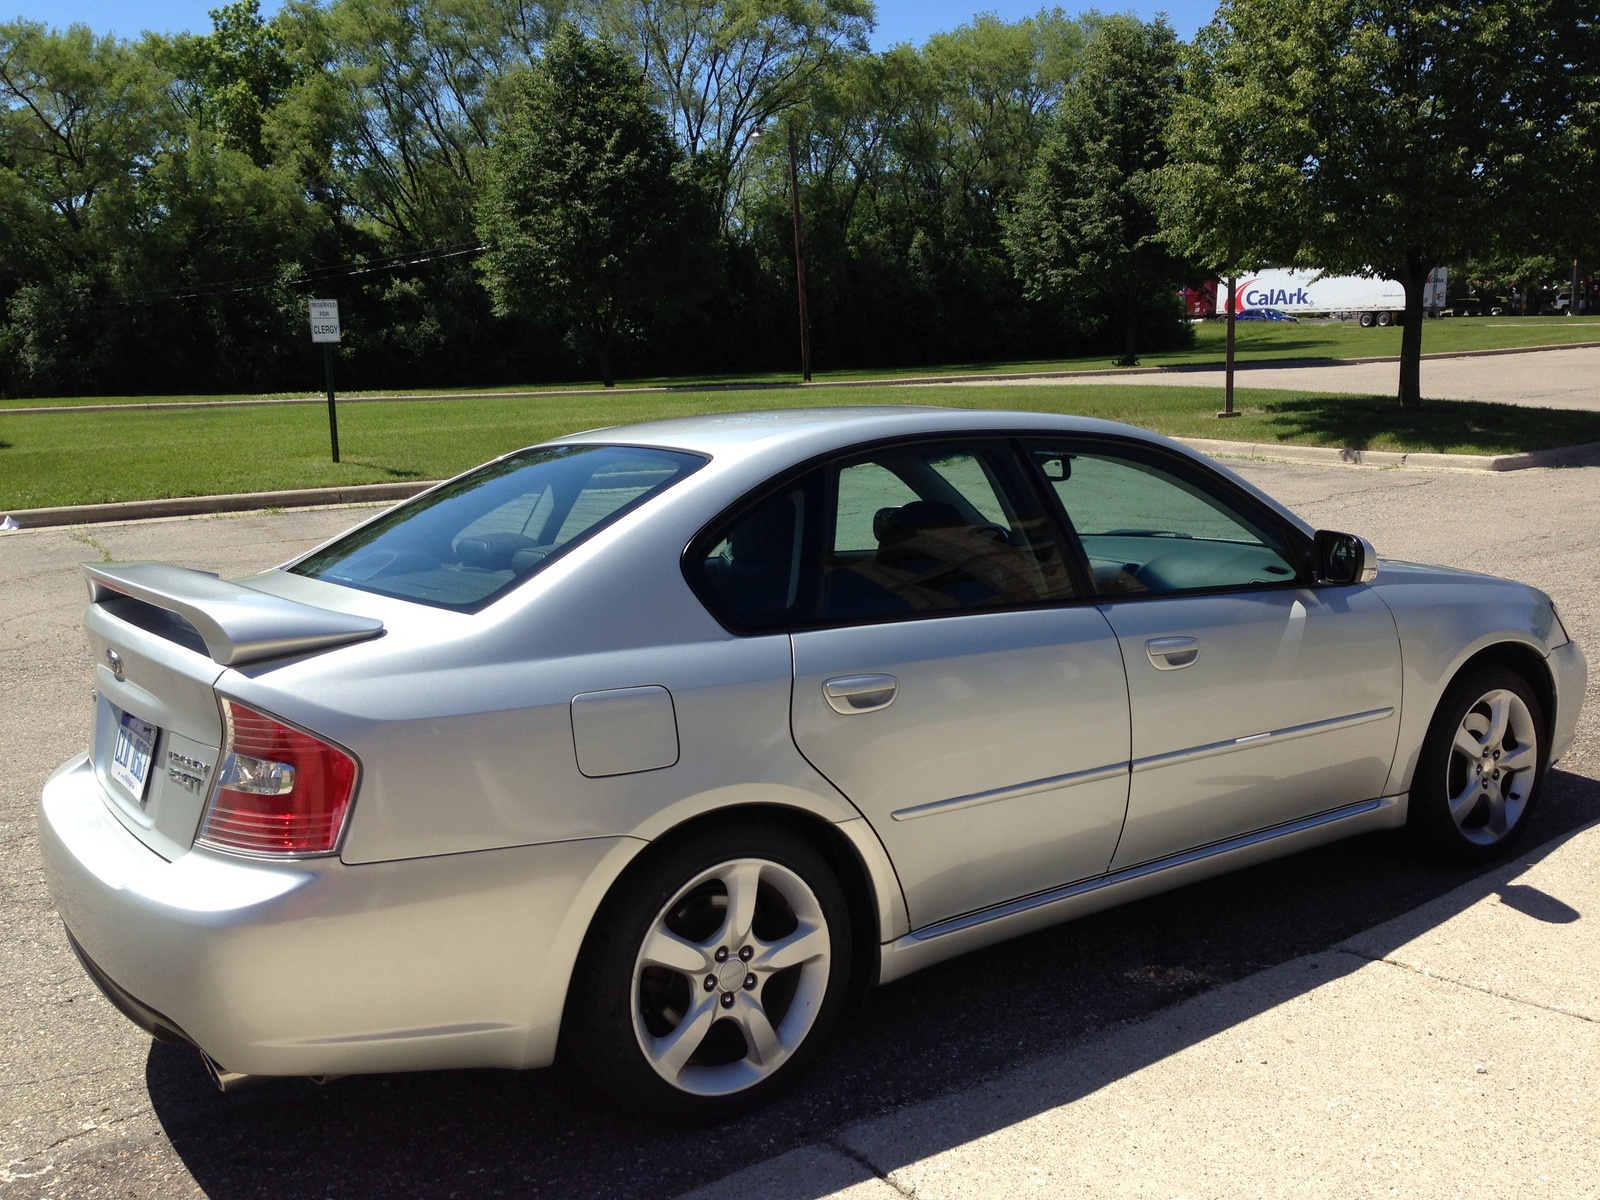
<point>130,762</point>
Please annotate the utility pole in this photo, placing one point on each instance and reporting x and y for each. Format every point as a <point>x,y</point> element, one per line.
<point>799,258</point>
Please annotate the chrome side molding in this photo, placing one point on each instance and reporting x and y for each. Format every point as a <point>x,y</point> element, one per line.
<point>1256,739</point>
<point>1014,792</point>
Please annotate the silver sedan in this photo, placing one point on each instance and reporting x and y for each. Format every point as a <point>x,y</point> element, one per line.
<point>662,742</point>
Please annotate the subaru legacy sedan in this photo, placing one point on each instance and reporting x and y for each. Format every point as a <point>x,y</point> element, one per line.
<point>660,743</point>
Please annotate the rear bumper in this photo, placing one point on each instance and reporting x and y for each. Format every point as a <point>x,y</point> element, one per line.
<point>316,967</point>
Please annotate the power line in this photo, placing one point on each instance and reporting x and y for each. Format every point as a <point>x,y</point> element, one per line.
<point>316,275</point>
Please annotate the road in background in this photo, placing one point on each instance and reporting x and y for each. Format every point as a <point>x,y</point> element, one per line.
<point>89,1106</point>
<point>1541,379</point>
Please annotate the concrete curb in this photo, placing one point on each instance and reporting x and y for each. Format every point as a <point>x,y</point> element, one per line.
<point>1587,454</point>
<point>667,389</point>
<point>1584,455</point>
<point>191,506</point>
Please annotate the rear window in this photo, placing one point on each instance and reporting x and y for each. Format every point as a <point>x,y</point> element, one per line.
<point>465,544</point>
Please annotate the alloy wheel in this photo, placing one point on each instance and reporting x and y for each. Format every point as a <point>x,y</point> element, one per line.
<point>1494,759</point>
<point>730,977</point>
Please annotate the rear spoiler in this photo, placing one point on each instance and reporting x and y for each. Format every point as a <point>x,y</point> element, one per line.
<point>238,624</point>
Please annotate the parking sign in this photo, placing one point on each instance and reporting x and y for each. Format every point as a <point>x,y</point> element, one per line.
<point>324,320</point>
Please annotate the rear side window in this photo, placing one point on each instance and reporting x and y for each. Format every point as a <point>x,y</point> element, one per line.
<point>918,529</point>
<point>462,546</point>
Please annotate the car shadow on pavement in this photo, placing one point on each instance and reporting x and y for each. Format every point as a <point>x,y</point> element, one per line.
<point>545,1133</point>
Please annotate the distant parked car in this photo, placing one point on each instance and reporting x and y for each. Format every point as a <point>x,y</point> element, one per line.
<point>658,741</point>
<point>1264,314</point>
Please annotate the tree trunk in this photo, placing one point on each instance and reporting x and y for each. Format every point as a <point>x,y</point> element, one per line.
<point>1414,279</point>
<point>602,345</point>
<point>1130,332</point>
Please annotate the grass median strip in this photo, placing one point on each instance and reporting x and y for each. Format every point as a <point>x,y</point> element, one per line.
<point>1257,342</point>
<point>101,457</point>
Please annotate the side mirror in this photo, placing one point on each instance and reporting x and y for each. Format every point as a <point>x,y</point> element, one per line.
<point>1344,558</point>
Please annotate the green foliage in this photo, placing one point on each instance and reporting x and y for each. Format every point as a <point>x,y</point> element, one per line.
<point>1008,190</point>
<point>228,80</point>
<point>723,69</point>
<point>1420,129</point>
<point>1086,233</point>
<point>1224,195</point>
<point>589,212</point>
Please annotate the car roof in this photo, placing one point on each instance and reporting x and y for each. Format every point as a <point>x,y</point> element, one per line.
<point>803,432</point>
<point>749,445</point>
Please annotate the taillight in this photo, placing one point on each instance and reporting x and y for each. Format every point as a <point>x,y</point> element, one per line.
<point>279,791</point>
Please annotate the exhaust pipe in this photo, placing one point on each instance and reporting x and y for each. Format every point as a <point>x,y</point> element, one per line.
<point>227,1081</point>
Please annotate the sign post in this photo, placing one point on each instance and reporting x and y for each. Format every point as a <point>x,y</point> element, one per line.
<point>325,329</point>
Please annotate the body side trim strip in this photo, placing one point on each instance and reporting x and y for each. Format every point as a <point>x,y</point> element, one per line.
<point>1015,907</point>
<point>1014,792</point>
<point>1256,739</point>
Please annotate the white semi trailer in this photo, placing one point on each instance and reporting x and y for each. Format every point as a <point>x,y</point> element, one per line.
<point>1309,292</point>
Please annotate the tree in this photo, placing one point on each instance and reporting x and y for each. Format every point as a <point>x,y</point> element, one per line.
<point>725,68</point>
<point>1086,231</point>
<point>589,211</point>
<point>230,78</point>
<point>1414,125</point>
<point>1226,204</point>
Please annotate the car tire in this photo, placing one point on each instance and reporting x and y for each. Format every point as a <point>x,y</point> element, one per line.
<point>1368,320</point>
<point>1481,768</point>
<point>690,1013</point>
<point>1385,319</point>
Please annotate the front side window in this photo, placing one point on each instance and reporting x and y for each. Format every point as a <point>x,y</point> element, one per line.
<point>466,543</point>
<point>1148,525</point>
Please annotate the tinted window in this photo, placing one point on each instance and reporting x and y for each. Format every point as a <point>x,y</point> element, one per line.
<point>1148,525</point>
<point>463,545</point>
<point>936,528</point>
<point>754,574</point>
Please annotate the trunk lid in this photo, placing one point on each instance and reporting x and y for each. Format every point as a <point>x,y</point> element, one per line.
<point>161,637</point>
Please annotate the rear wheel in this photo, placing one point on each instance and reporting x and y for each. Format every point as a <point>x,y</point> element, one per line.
<point>710,981</point>
<point>1368,320</point>
<point>1385,319</point>
<point>1481,767</point>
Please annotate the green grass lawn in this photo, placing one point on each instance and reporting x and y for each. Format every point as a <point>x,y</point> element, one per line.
<point>70,458</point>
<point>1257,342</point>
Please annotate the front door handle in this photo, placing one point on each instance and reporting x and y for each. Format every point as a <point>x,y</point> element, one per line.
<point>1171,653</point>
<point>851,694</point>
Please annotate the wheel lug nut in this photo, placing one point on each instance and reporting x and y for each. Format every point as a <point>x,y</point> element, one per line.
<point>721,954</point>
<point>727,999</point>
<point>749,982</point>
<point>1497,754</point>
<point>711,983</point>
<point>744,953</point>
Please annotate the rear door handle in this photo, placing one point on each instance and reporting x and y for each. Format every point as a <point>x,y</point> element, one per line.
<point>851,694</point>
<point>1171,653</point>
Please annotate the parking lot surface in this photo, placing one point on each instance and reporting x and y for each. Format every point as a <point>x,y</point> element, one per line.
<point>90,1107</point>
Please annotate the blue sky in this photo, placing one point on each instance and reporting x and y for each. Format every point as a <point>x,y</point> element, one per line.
<point>898,20</point>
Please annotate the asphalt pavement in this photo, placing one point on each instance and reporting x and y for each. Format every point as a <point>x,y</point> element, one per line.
<point>1543,379</point>
<point>1201,1043</point>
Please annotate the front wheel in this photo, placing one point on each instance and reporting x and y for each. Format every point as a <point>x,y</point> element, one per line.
<point>1481,767</point>
<point>710,981</point>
